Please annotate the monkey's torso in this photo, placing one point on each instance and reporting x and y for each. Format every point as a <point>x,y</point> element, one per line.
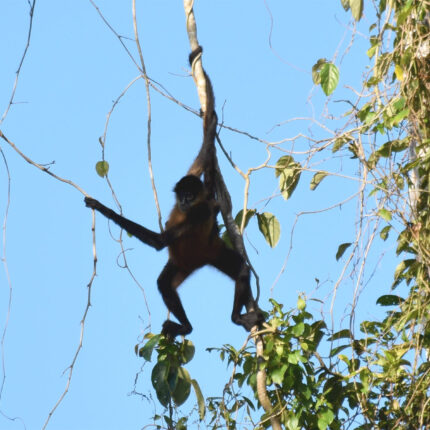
<point>200,243</point>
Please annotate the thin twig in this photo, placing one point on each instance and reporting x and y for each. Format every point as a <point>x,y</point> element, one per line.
<point>148,99</point>
<point>15,85</point>
<point>83,320</point>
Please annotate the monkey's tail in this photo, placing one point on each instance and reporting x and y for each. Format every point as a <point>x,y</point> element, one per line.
<point>205,160</point>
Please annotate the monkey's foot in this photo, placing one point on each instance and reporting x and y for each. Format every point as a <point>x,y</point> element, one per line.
<point>250,319</point>
<point>172,329</point>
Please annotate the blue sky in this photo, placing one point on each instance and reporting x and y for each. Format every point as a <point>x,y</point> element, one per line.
<point>74,70</point>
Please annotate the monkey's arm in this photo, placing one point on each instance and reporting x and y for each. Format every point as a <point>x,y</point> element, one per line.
<point>149,237</point>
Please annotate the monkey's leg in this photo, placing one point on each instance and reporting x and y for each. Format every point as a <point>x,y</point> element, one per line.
<point>145,235</point>
<point>170,278</point>
<point>232,264</point>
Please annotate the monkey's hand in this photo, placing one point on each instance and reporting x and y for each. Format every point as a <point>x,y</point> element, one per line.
<point>92,203</point>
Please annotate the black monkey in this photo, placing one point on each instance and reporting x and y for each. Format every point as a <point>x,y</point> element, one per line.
<point>192,234</point>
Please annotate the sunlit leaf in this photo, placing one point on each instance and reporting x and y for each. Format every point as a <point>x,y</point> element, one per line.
<point>200,399</point>
<point>249,214</point>
<point>301,304</point>
<point>146,350</point>
<point>398,70</point>
<point>188,351</point>
<point>356,9</point>
<point>270,227</point>
<point>183,387</point>
<point>316,69</point>
<point>325,419</point>
<point>385,214</point>
<point>277,374</point>
<point>102,168</point>
<point>345,4</point>
<point>317,178</point>
<point>329,78</point>
<point>288,171</point>
<point>341,334</point>
<point>384,232</point>
<point>159,382</point>
<point>339,143</point>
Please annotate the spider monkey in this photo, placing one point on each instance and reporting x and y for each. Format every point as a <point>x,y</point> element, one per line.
<point>192,235</point>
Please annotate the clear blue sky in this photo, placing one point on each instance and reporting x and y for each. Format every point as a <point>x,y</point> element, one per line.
<point>74,70</point>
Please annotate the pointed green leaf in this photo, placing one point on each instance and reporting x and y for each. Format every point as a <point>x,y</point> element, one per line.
<point>386,215</point>
<point>288,171</point>
<point>270,227</point>
<point>183,387</point>
<point>325,419</point>
<point>102,168</point>
<point>345,4</point>
<point>356,9</point>
<point>317,178</point>
<point>146,350</point>
<point>316,68</point>
<point>341,334</point>
<point>277,375</point>
<point>249,214</point>
<point>384,232</point>
<point>301,304</point>
<point>389,300</point>
<point>188,351</point>
<point>402,266</point>
<point>200,399</point>
<point>329,78</point>
<point>159,382</point>
<point>342,248</point>
<point>339,143</point>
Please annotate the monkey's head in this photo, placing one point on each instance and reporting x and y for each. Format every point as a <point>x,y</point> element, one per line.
<point>189,191</point>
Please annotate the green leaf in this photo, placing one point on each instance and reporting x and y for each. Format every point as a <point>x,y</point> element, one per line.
<point>146,350</point>
<point>325,419</point>
<point>329,78</point>
<point>183,387</point>
<point>389,300</point>
<point>339,143</point>
<point>269,227</point>
<point>298,329</point>
<point>102,168</point>
<point>200,399</point>
<point>316,69</point>
<point>301,304</point>
<point>338,349</point>
<point>188,350</point>
<point>317,178</point>
<point>249,214</point>
<point>341,250</point>
<point>385,214</point>
<point>402,266</point>
<point>398,71</point>
<point>288,171</point>
<point>384,232</point>
<point>159,382</point>
<point>345,4</point>
<point>356,9</point>
<point>341,334</point>
<point>277,375</point>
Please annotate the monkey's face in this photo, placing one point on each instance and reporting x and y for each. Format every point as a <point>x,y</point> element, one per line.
<point>189,190</point>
